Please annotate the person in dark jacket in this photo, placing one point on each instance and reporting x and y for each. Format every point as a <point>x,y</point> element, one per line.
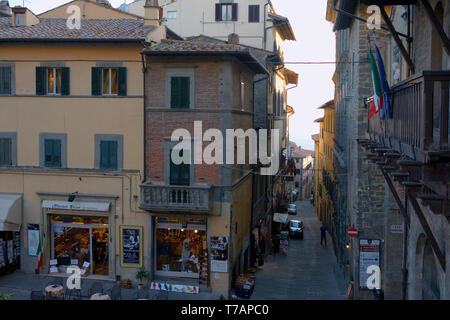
<point>323,234</point>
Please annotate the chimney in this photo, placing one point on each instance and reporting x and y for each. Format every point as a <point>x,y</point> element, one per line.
<point>233,38</point>
<point>5,10</point>
<point>152,13</point>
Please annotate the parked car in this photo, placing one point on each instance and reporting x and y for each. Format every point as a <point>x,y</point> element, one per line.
<point>296,229</point>
<point>292,209</point>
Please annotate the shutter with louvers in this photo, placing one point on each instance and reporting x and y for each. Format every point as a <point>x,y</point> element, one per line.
<point>218,12</point>
<point>5,80</point>
<point>97,81</point>
<point>65,81</point>
<point>180,92</point>
<point>184,92</point>
<point>5,152</point>
<point>235,12</point>
<point>52,153</point>
<point>108,155</point>
<point>122,82</point>
<point>41,81</point>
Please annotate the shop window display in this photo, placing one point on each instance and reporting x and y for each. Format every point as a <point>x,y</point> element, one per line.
<point>181,250</point>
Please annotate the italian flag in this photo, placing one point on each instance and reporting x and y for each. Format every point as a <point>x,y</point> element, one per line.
<point>40,255</point>
<point>377,103</point>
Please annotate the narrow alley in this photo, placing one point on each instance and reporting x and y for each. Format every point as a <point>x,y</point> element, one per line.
<point>308,272</point>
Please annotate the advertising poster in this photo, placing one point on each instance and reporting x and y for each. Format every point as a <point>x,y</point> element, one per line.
<point>369,254</point>
<point>219,254</point>
<point>131,246</point>
<point>33,239</point>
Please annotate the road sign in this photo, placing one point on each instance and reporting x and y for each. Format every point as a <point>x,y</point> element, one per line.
<point>352,232</point>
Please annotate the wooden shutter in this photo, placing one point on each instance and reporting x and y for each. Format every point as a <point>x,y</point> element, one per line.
<point>180,92</point>
<point>52,153</point>
<point>5,80</point>
<point>5,152</point>
<point>122,82</point>
<point>253,13</point>
<point>218,12</point>
<point>179,174</point>
<point>96,81</point>
<point>41,81</point>
<point>235,12</point>
<point>65,81</point>
<point>185,92</point>
<point>108,155</point>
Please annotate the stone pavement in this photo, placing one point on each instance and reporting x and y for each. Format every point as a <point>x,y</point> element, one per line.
<point>308,272</point>
<point>21,285</point>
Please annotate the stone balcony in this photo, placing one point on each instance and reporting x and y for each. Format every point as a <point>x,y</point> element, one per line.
<point>164,198</point>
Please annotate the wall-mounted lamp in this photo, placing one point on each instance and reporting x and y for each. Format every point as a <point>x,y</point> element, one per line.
<point>72,196</point>
<point>348,246</point>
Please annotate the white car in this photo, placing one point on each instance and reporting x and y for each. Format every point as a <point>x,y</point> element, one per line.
<point>292,209</point>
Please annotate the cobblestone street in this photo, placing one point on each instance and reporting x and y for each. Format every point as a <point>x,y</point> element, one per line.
<point>308,272</point>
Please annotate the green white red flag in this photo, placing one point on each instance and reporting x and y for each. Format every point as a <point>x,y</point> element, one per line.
<point>40,256</point>
<point>377,103</point>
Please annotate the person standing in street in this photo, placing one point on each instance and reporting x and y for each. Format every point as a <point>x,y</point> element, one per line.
<point>323,234</point>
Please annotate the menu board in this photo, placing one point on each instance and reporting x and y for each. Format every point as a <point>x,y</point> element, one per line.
<point>369,255</point>
<point>219,254</point>
<point>131,246</point>
<point>33,239</point>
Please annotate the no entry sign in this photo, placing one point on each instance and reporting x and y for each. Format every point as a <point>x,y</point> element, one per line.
<point>352,232</point>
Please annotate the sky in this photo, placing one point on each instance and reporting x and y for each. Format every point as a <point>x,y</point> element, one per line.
<point>315,42</point>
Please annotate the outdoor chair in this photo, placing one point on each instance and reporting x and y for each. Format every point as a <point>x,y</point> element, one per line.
<point>73,294</point>
<point>162,295</point>
<point>37,295</point>
<point>96,287</point>
<point>115,292</point>
<point>141,294</point>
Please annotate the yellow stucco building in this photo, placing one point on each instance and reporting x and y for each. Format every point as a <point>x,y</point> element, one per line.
<point>71,139</point>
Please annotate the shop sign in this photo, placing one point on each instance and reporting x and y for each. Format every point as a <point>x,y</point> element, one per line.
<point>369,255</point>
<point>131,246</point>
<point>159,286</point>
<point>219,254</point>
<point>280,217</point>
<point>396,228</point>
<point>81,206</point>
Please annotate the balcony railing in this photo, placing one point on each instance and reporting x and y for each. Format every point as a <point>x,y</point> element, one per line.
<point>176,198</point>
<point>420,107</point>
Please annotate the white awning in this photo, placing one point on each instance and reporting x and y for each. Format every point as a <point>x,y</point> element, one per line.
<point>280,217</point>
<point>79,206</point>
<point>10,212</point>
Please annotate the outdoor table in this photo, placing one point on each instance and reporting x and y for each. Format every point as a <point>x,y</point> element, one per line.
<point>54,291</point>
<point>100,296</point>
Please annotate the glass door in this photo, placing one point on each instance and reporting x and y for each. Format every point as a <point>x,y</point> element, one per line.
<point>100,250</point>
<point>69,243</point>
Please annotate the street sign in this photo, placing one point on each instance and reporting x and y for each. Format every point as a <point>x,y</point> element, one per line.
<point>396,228</point>
<point>352,232</point>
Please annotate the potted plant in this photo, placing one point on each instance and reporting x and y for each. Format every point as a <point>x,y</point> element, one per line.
<point>125,283</point>
<point>7,296</point>
<point>140,276</point>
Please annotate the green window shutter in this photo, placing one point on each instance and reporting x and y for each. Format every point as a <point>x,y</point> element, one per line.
<point>96,81</point>
<point>52,153</point>
<point>180,92</point>
<point>108,155</point>
<point>65,81</point>
<point>122,82</point>
<point>179,174</point>
<point>5,152</point>
<point>5,80</point>
<point>41,81</point>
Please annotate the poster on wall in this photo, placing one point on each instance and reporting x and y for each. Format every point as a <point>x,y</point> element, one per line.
<point>2,256</point>
<point>11,256</point>
<point>219,254</point>
<point>131,244</point>
<point>33,239</point>
<point>369,254</point>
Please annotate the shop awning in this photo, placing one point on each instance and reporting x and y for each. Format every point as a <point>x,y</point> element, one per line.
<point>280,217</point>
<point>10,212</point>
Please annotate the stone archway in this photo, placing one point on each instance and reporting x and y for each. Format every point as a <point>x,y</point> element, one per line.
<point>426,280</point>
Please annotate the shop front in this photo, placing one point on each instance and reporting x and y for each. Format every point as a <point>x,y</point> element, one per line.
<point>10,224</point>
<point>181,249</point>
<point>79,235</point>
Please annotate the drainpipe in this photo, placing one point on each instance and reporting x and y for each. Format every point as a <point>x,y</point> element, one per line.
<point>144,71</point>
<point>405,252</point>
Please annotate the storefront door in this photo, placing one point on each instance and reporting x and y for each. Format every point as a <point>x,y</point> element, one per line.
<point>84,240</point>
<point>180,250</point>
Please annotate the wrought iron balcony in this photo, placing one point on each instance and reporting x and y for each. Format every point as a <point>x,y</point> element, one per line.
<point>419,127</point>
<point>176,198</point>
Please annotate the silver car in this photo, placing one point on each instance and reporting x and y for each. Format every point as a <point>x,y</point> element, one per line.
<point>292,209</point>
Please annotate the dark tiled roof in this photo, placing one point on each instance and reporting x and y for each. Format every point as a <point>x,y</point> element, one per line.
<point>91,30</point>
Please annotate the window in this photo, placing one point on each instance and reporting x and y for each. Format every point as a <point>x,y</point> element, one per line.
<point>5,152</point>
<point>52,81</point>
<point>20,19</point>
<point>109,81</point>
<point>226,12</point>
<point>171,15</point>
<point>179,174</point>
<point>108,151</point>
<point>52,153</point>
<point>180,92</point>
<point>253,13</point>
<point>108,155</point>
<point>5,80</point>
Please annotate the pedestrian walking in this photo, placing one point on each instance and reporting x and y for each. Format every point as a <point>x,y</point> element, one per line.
<point>323,234</point>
